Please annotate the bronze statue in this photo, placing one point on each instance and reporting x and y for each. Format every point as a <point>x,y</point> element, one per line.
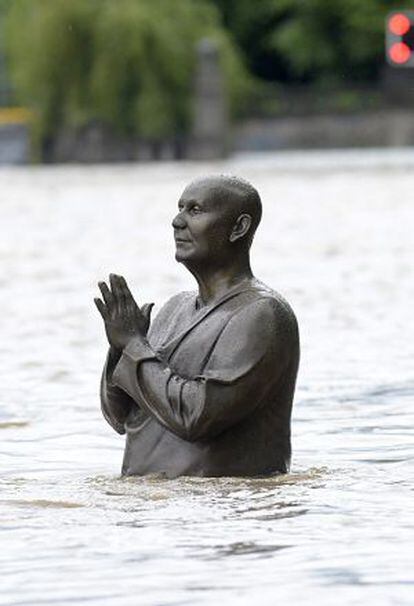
<point>207,390</point>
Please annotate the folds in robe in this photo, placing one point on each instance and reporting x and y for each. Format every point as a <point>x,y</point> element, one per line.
<point>210,391</point>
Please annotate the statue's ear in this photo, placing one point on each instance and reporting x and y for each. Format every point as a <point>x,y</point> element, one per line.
<point>241,227</point>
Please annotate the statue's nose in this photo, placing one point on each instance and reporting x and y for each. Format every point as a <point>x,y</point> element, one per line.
<point>178,222</point>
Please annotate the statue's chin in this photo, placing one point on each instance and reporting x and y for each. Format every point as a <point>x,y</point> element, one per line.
<point>181,254</point>
<point>182,258</point>
<point>188,260</point>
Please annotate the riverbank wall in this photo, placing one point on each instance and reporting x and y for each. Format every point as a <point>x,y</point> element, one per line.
<point>384,128</point>
<point>387,128</point>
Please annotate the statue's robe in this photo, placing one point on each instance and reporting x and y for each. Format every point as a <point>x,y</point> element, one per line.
<point>209,392</point>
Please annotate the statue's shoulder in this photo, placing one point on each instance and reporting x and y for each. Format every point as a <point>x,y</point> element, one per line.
<point>272,303</point>
<point>273,298</point>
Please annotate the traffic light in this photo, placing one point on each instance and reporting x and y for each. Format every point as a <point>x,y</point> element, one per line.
<point>400,38</point>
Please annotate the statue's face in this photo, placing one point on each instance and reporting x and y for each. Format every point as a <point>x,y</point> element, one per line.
<point>202,225</point>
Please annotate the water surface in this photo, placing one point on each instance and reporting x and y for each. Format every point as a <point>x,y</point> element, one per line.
<point>337,241</point>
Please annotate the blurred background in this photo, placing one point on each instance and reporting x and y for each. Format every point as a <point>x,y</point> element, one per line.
<point>97,80</point>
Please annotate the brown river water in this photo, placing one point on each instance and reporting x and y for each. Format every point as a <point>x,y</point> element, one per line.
<point>336,240</point>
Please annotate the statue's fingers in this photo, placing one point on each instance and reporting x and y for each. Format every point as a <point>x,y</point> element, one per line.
<point>102,309</point>
<point>116,288</point>
<point>113,284</point>
<point>125,289</point>
<point>146,310</point>
<point>106,294</point>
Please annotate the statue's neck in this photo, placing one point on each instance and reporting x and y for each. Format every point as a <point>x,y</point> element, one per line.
<point>215,282</point>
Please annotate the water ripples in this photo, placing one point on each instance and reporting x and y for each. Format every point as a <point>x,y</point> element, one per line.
<point>336,241</point>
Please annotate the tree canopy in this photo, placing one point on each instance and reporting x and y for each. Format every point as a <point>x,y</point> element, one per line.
<point>311,40</point>
<point>127,63</point>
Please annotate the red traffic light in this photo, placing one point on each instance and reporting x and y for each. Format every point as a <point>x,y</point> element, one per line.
<point>400,38</point>
<point>399,52</point>
<point>399,24</point>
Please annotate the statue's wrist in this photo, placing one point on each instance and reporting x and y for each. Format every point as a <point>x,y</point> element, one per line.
<point>134,339</point>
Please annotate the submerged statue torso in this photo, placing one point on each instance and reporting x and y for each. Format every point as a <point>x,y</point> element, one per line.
<point>208,390</point>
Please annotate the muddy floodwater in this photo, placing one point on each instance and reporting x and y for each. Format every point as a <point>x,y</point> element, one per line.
<point>337,239</point>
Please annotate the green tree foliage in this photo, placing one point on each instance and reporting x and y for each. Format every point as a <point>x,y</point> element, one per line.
<point>128,63</point>
<point>4,81</point>
<point>253,25</point>
<point>334,40</point>
<point>311,40</point>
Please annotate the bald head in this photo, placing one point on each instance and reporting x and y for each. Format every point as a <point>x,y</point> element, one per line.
<point>216,221</point>
<point>235,196</point>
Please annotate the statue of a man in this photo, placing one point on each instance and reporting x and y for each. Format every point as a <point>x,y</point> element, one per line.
<point>207,390</point>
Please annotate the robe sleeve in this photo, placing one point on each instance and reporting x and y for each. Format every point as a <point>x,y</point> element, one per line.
<point>116,404</point>
<point>249,356</point>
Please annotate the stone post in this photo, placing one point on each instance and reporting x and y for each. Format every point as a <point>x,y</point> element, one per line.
<point>210,121</point>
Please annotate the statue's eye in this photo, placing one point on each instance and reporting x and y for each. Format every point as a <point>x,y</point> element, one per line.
<point>195,209</point>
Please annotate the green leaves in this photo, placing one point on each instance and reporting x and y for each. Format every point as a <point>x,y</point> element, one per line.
<point>129,64</point>
<point>311,40</point>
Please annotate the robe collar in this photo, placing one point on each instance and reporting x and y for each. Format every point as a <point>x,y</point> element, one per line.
<point>169,346</point>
